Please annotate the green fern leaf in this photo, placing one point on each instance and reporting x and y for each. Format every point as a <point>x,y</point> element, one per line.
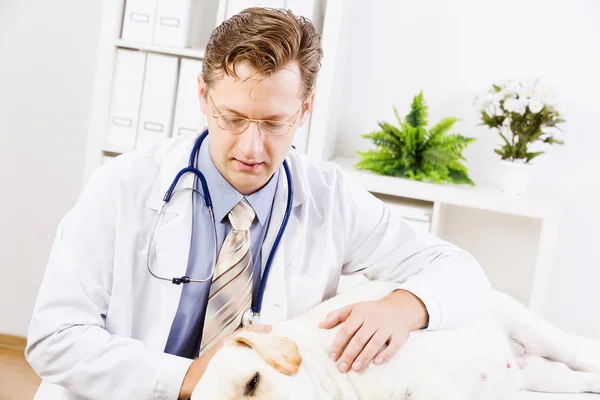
<point>384,139</point>
<point>437,155</point>
<point>455,143</point>
<point>398,117</point>
<point>441,128</point>
<point>410,138</point>
<point>395,168</point>
<point>375,160</point>
<point>418,112</point>
<point>455,165</point>
<point>392,131</point>
<point>460,177</point>
<point>421,137</point>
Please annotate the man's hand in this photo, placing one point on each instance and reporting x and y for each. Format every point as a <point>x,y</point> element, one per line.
<point>199,365</point>
<point>369,326</point>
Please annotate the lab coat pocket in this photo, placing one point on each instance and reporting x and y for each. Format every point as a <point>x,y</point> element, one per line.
<point>305,291</point>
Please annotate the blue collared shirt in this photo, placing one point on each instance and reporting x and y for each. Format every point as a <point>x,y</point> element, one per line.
<point>186,330</point>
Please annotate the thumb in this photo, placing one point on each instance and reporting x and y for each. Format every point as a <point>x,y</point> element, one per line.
<point>336,317</point>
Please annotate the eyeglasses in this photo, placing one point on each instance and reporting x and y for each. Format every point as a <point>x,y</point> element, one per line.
<point>235,124</point>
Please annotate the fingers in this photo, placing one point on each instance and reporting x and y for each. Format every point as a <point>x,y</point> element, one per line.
<point>336,317</point>
<point>369,331</point>
<point>342,338</point>
<point>372,349</point>
<point>393,347</point>
<point>355,346</point>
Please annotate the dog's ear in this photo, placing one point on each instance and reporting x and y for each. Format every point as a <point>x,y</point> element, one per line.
<point>280,352</point>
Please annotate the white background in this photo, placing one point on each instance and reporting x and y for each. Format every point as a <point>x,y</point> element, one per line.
<point>452,50</point>
<point>47,61</point>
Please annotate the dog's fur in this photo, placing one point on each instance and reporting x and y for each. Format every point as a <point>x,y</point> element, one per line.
<point>489,359</point>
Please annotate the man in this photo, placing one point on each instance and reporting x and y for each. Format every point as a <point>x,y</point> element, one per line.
<point>105,327</point>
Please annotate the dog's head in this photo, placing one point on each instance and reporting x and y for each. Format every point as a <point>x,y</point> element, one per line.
<point>254,366</point>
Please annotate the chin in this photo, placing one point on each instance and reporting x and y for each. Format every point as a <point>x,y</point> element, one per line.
<point>246,185</point>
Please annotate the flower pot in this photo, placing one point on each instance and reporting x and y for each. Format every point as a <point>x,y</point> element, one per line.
<point>515,176</point>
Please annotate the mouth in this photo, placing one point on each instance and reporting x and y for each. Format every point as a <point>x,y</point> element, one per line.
<point>248,166</point>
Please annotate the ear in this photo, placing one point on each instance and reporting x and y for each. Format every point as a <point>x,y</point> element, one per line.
<point>202,94</point>
<point>307,106</point>
<point>280,352</point>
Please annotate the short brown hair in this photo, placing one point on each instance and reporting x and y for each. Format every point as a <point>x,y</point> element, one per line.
<point>267,39</point>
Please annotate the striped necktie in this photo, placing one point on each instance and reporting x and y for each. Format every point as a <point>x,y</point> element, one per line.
<point>231,289</point>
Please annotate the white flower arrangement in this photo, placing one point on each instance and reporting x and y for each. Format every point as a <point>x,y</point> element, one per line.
<point>519,110</point>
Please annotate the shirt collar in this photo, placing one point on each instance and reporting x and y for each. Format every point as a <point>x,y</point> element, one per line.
<point>225,196</point>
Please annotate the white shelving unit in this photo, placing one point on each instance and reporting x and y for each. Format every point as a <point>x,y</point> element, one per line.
<point>196,53</point>
<point>476,218</point>
<point>479,197</point>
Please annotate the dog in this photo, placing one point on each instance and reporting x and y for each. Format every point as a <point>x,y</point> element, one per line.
<point>505,350</point>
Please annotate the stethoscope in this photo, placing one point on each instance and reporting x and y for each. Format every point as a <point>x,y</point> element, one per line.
<point>251,315</point>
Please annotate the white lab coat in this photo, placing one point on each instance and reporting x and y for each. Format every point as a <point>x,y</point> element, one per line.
<point>101,320</point>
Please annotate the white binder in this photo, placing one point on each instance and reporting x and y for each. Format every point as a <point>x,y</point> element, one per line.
<point>188,116</point>
<point>172,26</point>
<point>305,8</point>
<point>126,97</point>
<point>156,115</point>
<point>138,20</point>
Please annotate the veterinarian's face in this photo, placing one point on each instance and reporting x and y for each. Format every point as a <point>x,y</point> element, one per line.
<point>238,371</point>
<point>249,158</point>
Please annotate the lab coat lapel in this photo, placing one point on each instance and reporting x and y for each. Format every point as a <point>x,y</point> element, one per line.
<point>274,305</point>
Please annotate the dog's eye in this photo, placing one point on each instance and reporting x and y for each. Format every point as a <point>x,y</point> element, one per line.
<point>252,385</point>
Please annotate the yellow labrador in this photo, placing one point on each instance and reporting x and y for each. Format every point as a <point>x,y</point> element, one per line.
<point>492,358</point>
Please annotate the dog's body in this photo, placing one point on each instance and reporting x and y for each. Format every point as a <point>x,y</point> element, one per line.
<point>489,359</point>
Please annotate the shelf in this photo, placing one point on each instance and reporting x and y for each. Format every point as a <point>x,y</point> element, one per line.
<point>116,149</point>
<point>481,197</point>
<point>190,52</point>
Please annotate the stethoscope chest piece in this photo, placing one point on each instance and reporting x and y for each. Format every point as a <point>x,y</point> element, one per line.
<point>249,317</point>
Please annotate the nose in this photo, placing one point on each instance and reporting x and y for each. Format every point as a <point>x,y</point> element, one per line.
<point>250,142</point>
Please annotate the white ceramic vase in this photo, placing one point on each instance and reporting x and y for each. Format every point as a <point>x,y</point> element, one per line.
<point>515,176</point>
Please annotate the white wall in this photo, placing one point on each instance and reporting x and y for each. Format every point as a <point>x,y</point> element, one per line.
<point>453,51</point>
<point>47,60</point>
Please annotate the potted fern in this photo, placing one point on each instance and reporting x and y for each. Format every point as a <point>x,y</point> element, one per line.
<point>521,112</point>
<point>411,151</point>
